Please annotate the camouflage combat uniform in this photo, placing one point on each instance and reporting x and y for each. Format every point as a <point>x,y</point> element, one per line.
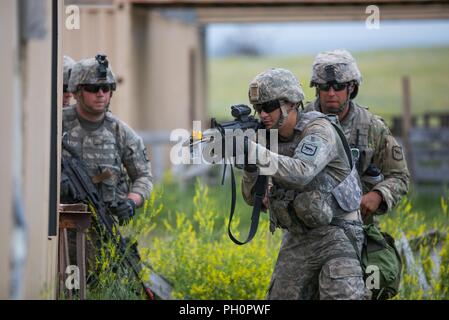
<point>381,166</point>
<point>111,150</point>
<point>377,146</point>
<point>313,188</point>
<point>68,64</point>
<point>112,153</point>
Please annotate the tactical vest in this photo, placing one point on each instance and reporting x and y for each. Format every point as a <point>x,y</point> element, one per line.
<point>358,137</point>
<point>101,152</point>
<point>357,134</point>
<point>298,208</point>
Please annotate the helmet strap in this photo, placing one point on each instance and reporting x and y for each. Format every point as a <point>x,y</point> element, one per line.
<point>348,98</point>
<point>282,117</point>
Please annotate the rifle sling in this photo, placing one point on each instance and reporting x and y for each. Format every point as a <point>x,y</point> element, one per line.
<point>258,197</point>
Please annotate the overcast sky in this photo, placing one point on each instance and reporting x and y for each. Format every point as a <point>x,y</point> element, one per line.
<point>312,37</point>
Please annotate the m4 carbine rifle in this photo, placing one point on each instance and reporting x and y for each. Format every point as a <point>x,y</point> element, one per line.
<point>86,192</point>
<point>243,121</point>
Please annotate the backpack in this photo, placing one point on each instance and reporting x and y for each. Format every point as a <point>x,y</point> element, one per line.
<point>381,258</point>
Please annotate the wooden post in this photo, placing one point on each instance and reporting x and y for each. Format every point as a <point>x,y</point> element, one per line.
<point>75,217</point>
<point>407,122</point>
<point>63,261</point>
<point>81,260</point>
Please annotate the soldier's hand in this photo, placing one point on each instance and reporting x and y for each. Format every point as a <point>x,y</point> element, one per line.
<point>125,211</point>
<point>370,203</point>
<point>265,203</point>
<point>240,148</point>
<point>67,191</point>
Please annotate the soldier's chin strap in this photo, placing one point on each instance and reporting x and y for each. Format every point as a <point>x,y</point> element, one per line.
<point>348,99</point>
<point>284,114</point>
<point>282,117</point>
<point>346,103</point>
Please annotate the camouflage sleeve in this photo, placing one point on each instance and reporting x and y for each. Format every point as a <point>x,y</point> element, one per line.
<point>248,186</point>
<point>137,164</point>
<point>389,157</point>
<point>313,153</point>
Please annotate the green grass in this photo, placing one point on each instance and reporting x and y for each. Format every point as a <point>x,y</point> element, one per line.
<point>182,234</point>
<point>177,199</point>
<point>381,89</point>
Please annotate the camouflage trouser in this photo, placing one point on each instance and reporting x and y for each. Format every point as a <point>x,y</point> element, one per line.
<point>321,264</point>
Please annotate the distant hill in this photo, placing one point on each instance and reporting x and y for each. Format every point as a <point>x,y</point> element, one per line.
<point>273,39</point>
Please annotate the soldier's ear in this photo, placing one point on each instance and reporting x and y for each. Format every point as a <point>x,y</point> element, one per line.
<point>77,94</point>
<point>351,88</point>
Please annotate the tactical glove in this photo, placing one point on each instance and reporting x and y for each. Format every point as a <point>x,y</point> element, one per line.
<point>240,150</point>
<point>68,191</point>
<point>125,211</point>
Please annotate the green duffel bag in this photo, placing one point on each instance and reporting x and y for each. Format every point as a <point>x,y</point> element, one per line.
<point>380,258</point>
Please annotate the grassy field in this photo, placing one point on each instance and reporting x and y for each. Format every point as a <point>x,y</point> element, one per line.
<point>381,88</point>
<point>191,248</point>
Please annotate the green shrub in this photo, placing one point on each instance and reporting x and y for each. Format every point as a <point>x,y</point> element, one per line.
<point>112,277</point>
<point>183,235</point>
<point>199,259</point>
<point>414,226</point>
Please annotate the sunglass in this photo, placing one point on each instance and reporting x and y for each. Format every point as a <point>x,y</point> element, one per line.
<point>65,88</point>
<point>267,107</point>
<point>94,88</point>
<point>335,85</point>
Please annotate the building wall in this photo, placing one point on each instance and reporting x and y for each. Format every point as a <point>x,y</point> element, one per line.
<point>37,108</point>
<point>170,85</point>
<point>158,62</point>
<point>98,34</point>
<point>151,57</point>
<point>25,139</point>
<point>8,76</point>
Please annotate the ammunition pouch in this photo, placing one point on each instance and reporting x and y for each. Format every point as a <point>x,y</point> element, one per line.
<point>313,208</point>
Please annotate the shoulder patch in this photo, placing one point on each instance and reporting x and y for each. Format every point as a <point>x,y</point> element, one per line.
<point>254,91</point>
<point>309,149</point>
<point>397,153</point>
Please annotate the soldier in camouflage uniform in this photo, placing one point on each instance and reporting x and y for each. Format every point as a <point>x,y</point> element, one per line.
<point>67,68</point>
<point>381,165</point>
<point>313,189</point>
<point>114,154</point>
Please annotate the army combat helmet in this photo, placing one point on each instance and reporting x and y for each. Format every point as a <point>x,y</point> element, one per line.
<point>336,66</point>
<point>269,89</point>
<point>68,64</point>
<point>91,71</point>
